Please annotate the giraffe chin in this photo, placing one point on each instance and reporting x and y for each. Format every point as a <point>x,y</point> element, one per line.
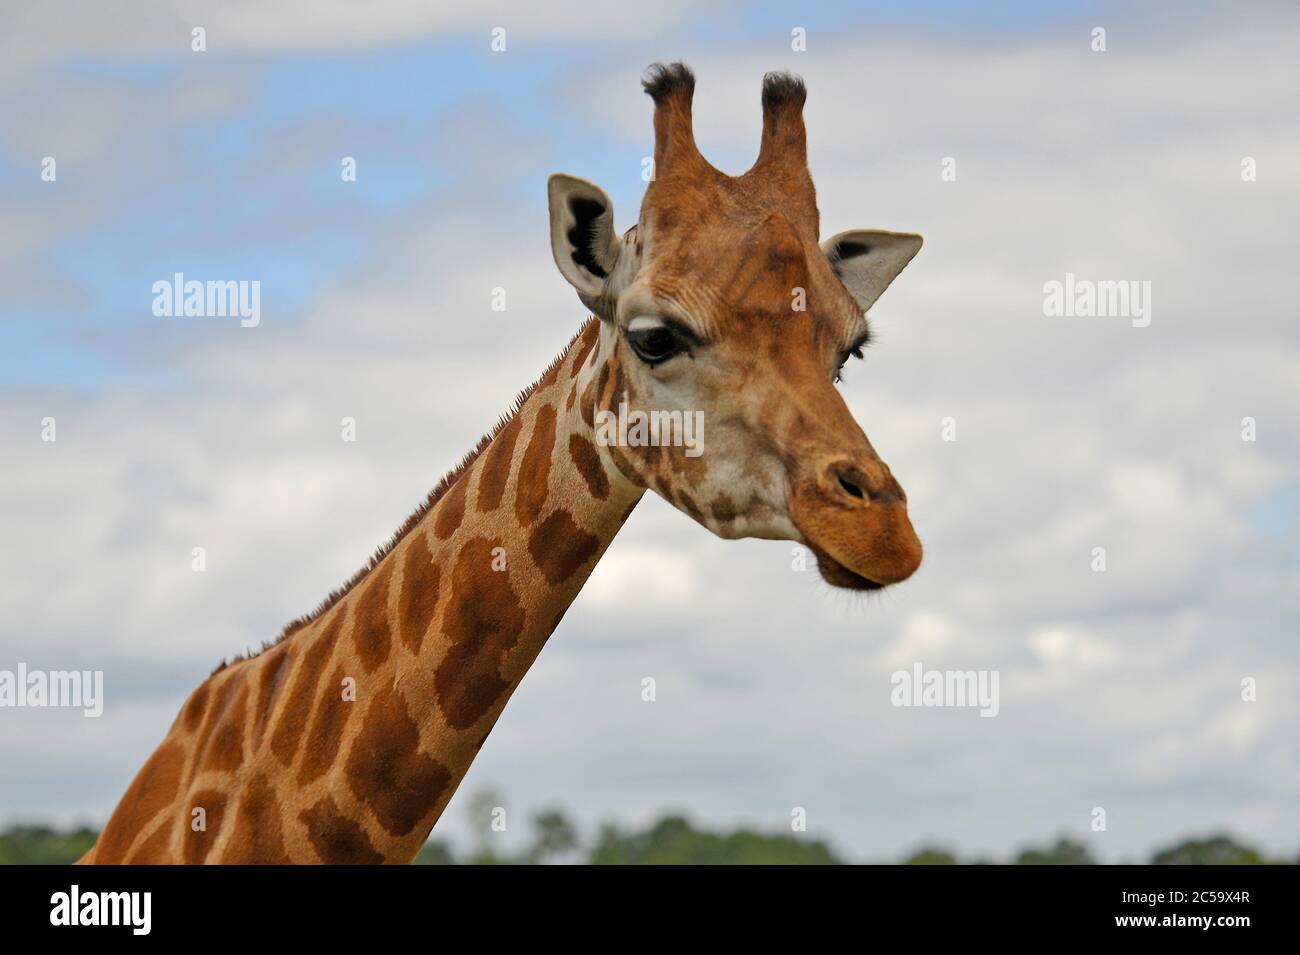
<point>837,575</point>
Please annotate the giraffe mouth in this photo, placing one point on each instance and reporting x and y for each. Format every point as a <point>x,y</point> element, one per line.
<point>837,575</point>
<point>858,545</point>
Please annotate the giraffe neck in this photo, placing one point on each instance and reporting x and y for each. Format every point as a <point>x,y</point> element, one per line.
<point>442,630</point>
<point>344,741</point>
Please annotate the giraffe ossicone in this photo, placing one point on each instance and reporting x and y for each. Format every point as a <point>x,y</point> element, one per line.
<point>344,740</point>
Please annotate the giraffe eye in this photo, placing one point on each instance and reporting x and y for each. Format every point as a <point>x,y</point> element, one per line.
<point>655,345</point>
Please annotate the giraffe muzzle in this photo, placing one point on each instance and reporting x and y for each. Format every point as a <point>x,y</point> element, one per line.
<point>853,516</point>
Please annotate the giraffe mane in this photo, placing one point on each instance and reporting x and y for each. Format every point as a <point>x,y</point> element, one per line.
<point>445,484</point>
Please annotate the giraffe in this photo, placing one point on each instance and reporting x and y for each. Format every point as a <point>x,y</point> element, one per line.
<point>343,741</point>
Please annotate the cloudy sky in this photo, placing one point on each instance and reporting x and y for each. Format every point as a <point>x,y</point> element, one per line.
<point>1120,690</point>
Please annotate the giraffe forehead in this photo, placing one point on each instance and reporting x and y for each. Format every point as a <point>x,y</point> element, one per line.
<point>697,197</point>
<point>729,275</point>
<point>761,301</point>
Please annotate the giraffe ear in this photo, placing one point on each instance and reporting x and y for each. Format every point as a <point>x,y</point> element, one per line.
<point>582,235</point>
<point>867,262</point>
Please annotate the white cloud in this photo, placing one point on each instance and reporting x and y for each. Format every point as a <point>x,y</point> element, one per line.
<point>36,32</point>
<point>1063,646</point>
<point>925,635</point>
<point>633,579</point>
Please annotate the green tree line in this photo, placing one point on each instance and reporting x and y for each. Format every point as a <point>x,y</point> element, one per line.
<point>671,840</point>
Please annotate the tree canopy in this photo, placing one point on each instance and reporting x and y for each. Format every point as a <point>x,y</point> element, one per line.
<point>671,840</point>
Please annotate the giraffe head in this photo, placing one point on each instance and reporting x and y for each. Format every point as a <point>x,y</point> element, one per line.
<point>721,307</point>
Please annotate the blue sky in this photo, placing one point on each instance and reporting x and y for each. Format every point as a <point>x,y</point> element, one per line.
<point>208,212</point>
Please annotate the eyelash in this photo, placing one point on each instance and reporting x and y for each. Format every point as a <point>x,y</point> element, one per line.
<point>854,352</point>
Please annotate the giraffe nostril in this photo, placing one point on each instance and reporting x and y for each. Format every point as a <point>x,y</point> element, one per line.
<point>850,487</point>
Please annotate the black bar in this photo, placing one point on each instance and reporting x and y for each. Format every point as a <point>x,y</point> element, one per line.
<point>972,902</point>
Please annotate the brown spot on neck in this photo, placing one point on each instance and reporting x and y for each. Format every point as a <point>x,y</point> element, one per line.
<point>587,461</point>
<point>724,509</point>
<point>587,407</point>
<point>275,668</point>
<point>602,382</point>
<point>535,468</point>
<point>387,771</point>
<point>370,631</point>
<point>337,839</point>
<point>419,595</point>
<point>495,471</point>
<point>483,621</point>
<point>224,748</point>
<point>196,707</point>
<point>450,510</point>
<point>289,730</point>
<point>332,712</point>
<point>587,339</point>
<point>258,838</point>
<point>560,546</point>
<point>199,842</point>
